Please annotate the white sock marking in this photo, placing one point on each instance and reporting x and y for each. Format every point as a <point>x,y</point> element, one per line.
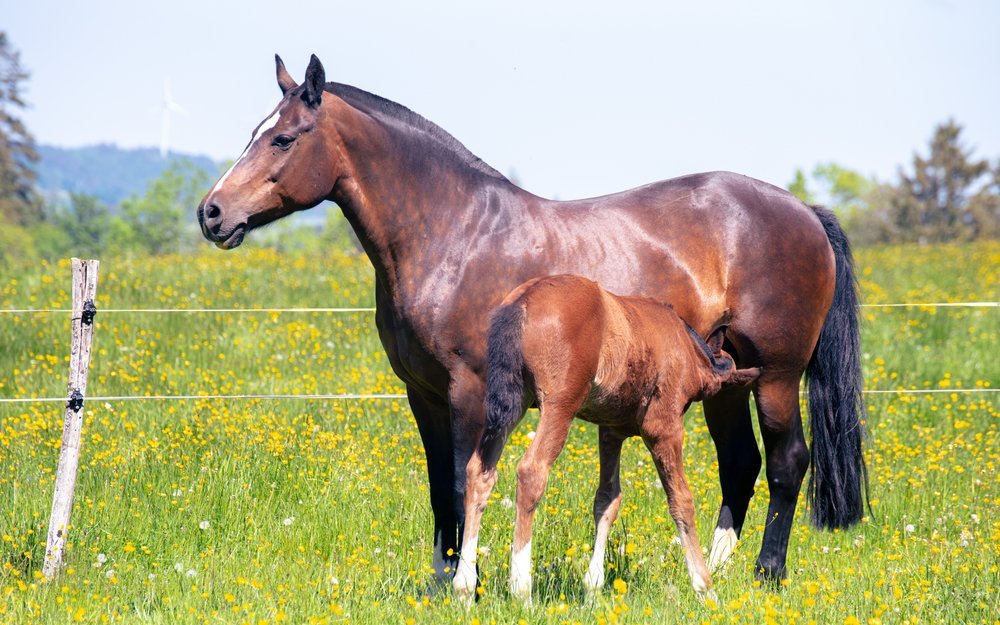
<point>520,572</point>
<point>723,544</point>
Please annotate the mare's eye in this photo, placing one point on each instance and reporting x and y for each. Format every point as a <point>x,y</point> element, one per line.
<point>282,141</point>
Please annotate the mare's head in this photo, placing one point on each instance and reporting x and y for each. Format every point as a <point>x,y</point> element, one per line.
<point>287,166</point>
<point>717,368</point>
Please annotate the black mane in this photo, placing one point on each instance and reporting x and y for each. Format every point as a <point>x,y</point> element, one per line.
<point>379,106</point>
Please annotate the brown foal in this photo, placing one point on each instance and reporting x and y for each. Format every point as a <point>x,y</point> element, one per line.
<point>629,364</point>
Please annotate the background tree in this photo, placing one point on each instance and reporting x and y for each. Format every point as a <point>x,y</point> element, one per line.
<point>86,224</point>
<point>162,220</point>
<point>948,196</point>
<point>19,204</point>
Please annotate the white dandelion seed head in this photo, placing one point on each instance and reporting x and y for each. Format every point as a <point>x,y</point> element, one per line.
<point>288,521</point>
<point>909,528</point>
<point>179,567</point>
<point>101,558</point>
<point>531,435</point>
<point>204,525</point>
<point>110,573</point>
<point>192,573</point>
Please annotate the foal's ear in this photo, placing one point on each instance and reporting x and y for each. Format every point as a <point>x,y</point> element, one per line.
<point>715,341</point>
<point>285,81</point>
<point>315,82</point>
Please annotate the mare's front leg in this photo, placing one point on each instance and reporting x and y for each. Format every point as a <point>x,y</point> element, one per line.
<point>728,417</point>
<point>663,433</point>
<point>607,502</point>
<point>532,476</point>
<point>435,431</point>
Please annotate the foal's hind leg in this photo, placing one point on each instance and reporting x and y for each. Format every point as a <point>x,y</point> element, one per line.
<point>532,476</point>
<point>481,477</point>
<point>607,502</point>
<point>728,418</point>
<point>663,433</point>
<point>787,461</point>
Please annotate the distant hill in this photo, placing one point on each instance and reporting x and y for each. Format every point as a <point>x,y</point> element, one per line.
<point>106,171</point>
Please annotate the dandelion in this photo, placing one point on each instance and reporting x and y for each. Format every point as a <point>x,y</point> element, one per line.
<point>204,525</point>
<point>909,528</point>
<point>110,574</point>
<point>192,573</point>
<point>620,586</point>
<point>288,521</point>
<point>179,567</point>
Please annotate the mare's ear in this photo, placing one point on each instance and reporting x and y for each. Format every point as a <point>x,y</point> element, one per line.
<point>315,82</point>
<point>285,81</point>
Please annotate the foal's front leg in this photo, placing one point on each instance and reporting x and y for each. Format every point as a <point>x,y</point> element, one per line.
<point>607,502</point>
<point>532,476</point>
<point>663,433</point>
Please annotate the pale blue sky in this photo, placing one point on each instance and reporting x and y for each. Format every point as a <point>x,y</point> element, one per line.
<point>579,98</point>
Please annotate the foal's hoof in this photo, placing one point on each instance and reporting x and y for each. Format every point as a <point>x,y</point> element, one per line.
<point>593,581</point>
<point>520,589</point>
<point>465,584</point>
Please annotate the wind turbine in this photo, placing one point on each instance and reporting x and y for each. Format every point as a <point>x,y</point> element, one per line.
<point>169,107</point>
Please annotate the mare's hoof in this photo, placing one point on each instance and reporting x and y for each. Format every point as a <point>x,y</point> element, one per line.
<point>770,575</point>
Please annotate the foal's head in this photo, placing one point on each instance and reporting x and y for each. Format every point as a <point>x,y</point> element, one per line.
<point>287,166</point>
<point>718,369</point>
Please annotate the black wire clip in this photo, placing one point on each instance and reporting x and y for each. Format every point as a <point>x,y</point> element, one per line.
<point>89,311</point>
<point>75,402</point>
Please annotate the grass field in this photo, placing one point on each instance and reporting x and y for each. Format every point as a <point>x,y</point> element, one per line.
<point>271,511</point>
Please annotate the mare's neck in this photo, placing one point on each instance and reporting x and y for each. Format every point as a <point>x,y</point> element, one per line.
<point>405,195</point>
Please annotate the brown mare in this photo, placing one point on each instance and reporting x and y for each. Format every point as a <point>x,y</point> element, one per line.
<point>449,237</point>
<point>628,364</point>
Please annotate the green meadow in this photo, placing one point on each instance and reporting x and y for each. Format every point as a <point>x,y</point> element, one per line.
<point>265,511</point>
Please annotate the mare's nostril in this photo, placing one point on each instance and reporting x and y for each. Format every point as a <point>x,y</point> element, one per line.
<point>213,211</point>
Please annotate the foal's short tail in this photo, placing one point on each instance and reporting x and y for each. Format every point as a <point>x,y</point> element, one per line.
<point>504,380</point>
<point>835,403</point>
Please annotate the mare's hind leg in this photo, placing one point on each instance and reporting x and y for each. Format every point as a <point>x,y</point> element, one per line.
<point>435,431</point>
<point>663,433</point>
<point>607,502</point>
<point>729,422</point>
<point>787,459</point>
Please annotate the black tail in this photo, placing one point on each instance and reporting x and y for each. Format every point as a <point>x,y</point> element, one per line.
<point>839,480</point>
<point>504,380</point>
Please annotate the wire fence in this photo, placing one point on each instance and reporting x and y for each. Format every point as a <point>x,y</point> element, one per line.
<point>371,310</point>
<point>397,396</point>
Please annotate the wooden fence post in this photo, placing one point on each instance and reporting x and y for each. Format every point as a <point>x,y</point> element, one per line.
<point>84,291</point>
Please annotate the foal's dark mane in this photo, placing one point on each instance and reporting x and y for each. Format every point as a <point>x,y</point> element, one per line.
<point>381,107</point>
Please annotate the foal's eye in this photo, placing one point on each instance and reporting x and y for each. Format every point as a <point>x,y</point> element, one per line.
<point>282,141</point>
